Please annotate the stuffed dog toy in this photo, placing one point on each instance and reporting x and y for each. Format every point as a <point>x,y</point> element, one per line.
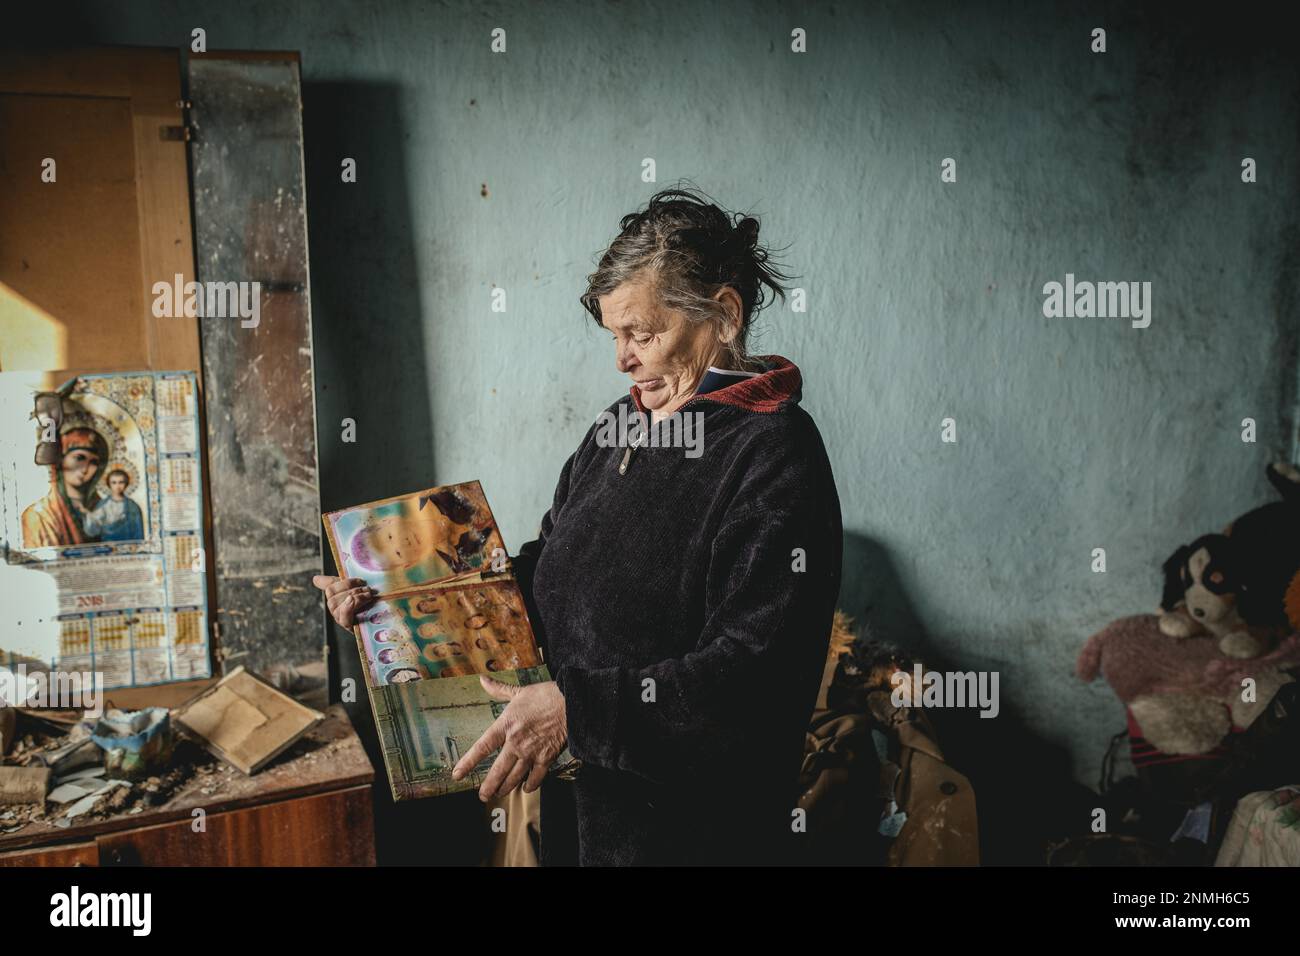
<point>1241,586</point>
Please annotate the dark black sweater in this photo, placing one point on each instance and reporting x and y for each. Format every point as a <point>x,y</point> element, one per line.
<point>684,608</point>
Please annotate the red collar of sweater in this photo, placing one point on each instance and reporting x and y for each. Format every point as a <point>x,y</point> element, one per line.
<point>779,386</point>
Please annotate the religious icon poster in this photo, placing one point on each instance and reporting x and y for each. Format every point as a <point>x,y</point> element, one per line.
<point>104,566</point>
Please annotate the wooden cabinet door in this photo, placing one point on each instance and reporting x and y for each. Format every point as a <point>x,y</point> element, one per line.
<point>328,829</point>
<point>82,241</point>
<point>73,854</point>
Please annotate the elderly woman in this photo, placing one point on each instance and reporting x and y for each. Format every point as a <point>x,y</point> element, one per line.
<point>682,593</point>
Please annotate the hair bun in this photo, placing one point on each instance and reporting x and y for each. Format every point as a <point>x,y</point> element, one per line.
<point>747,230</point>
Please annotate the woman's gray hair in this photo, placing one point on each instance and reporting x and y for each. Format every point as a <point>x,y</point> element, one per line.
<point>689,248</point>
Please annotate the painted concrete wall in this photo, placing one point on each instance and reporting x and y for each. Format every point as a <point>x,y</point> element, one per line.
<point>479,171</point>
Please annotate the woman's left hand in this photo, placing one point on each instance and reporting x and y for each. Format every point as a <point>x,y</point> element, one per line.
<point>530,733</point>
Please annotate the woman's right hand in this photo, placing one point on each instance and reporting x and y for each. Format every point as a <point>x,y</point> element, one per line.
<point>345,597</point>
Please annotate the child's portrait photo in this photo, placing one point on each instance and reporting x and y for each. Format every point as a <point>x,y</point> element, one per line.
<point>417,538</point>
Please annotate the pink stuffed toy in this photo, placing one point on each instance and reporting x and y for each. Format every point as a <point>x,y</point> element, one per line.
<point>1186,694</point>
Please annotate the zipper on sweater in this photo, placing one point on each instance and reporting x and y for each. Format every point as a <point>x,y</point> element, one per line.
<point>626,463</point>
<point>644,435</point>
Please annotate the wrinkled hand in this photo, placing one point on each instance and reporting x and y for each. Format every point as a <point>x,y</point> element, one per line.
<point>345,597</point>
<point>530,733</point>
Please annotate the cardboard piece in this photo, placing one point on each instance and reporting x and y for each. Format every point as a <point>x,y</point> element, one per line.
<point>245,721</point>
<point>23,784</point>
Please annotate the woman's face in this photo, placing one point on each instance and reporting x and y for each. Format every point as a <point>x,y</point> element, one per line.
<point>79,468</point>
<point>664,353</point>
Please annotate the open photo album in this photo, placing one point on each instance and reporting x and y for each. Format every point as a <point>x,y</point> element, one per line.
<point>449,609</point>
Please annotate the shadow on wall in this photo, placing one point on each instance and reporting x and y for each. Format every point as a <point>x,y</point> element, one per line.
<point>371,340</point>
<point>370,343</point>
<point>870,593</point>
<point>1024,788</point>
